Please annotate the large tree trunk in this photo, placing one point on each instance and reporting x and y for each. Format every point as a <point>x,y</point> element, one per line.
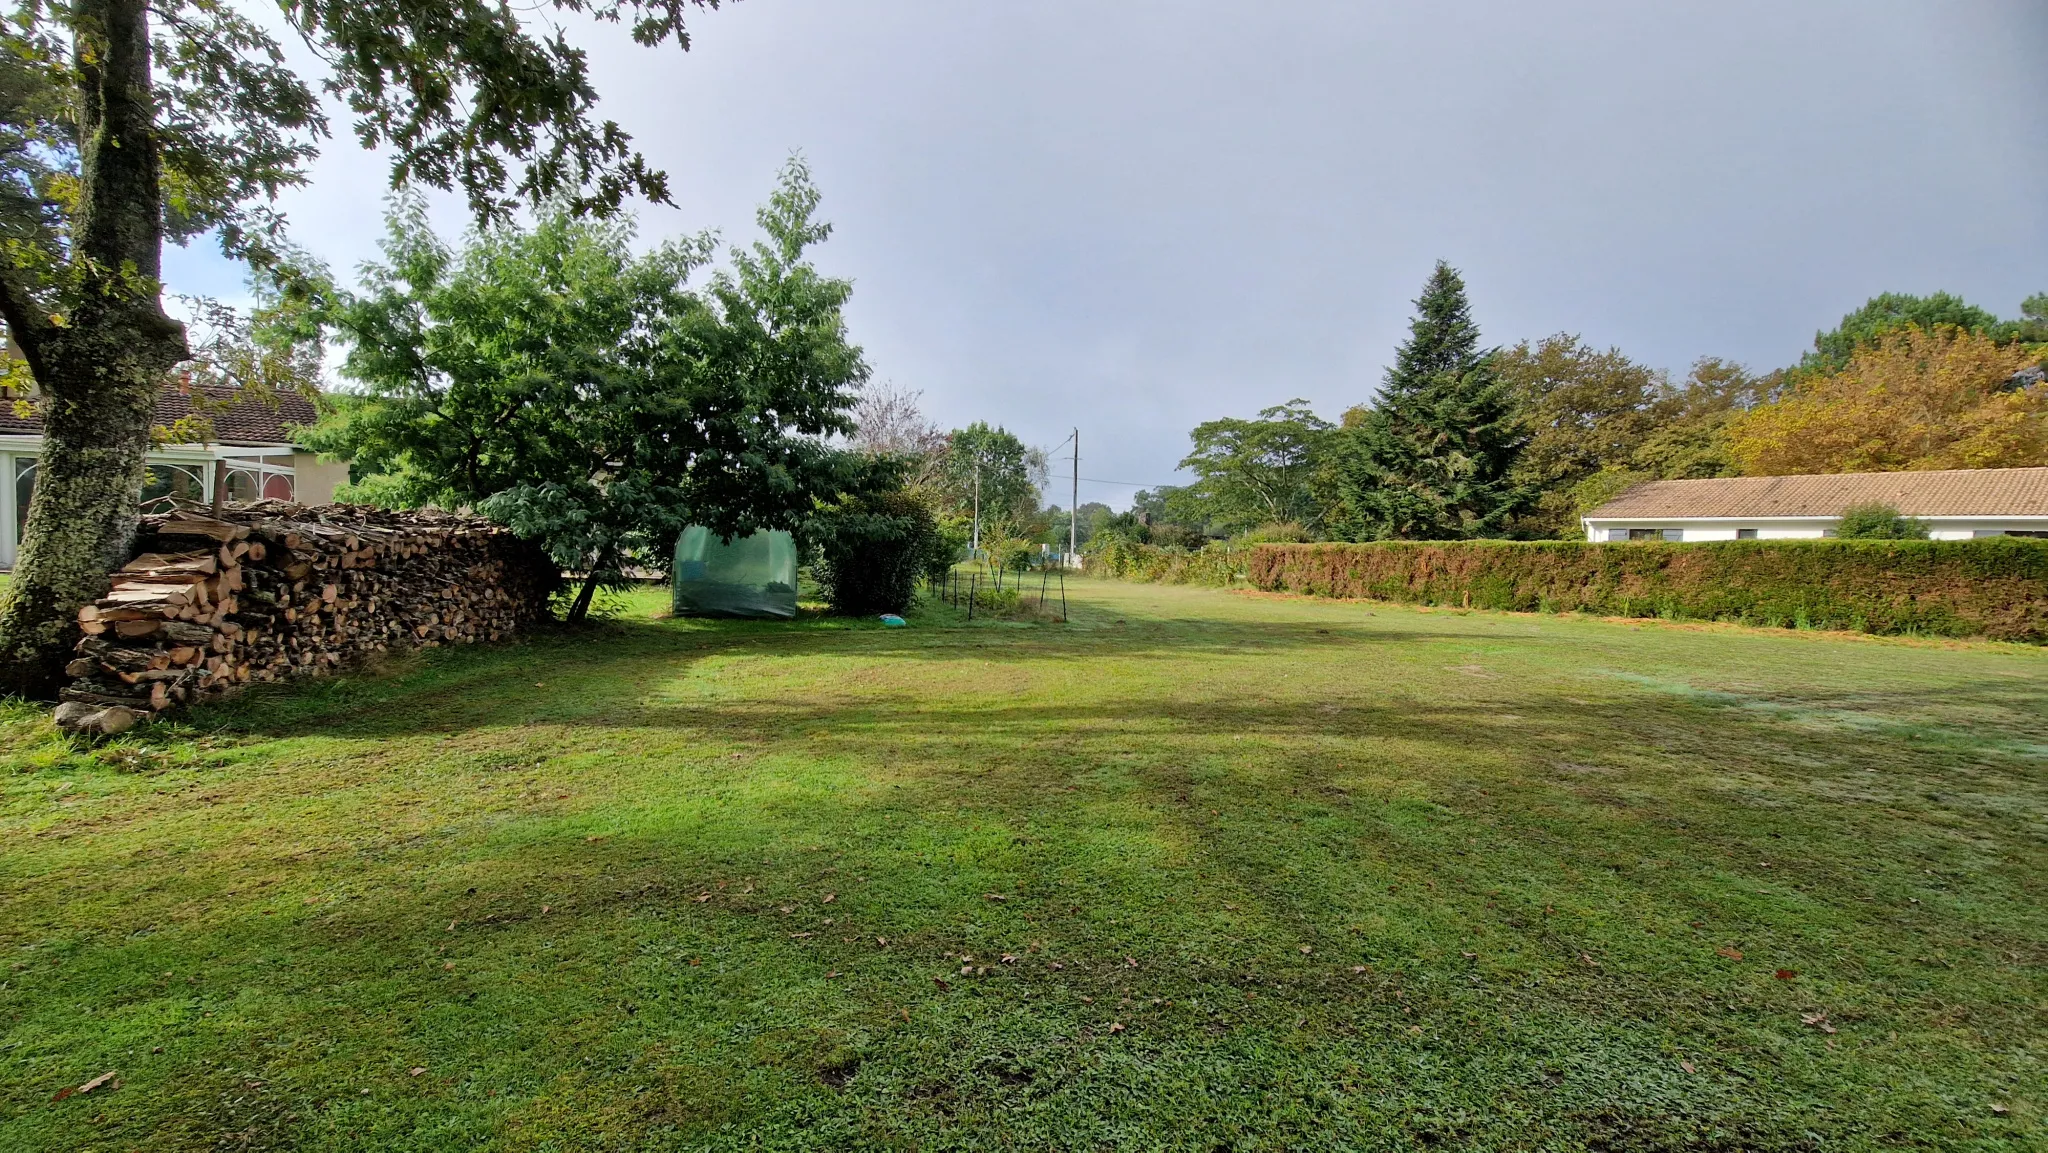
<point>101,365</point>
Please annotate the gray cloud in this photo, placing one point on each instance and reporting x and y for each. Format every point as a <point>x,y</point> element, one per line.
<point>1135,216</point>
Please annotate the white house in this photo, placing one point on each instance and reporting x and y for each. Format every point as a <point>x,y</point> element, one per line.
<point>254,455</point>
<point>1957,504</point>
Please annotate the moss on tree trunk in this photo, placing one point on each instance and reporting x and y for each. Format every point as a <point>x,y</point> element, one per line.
<point>99,366</point>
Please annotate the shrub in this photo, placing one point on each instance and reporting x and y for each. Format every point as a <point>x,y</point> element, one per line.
<point>1217,564</point>
<point>1877,521</point>
<point>873,549</point>
<point>1274,532</point>
<point>1995,588</point>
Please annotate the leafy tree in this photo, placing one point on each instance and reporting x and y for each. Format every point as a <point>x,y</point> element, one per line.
<point>1878,521</point>
<point>2033,323</point>
<point>1258,471</point>
<point>1433,458</point>
<point>1173,513</point>
<point>1092,515</point>
<point>990,470</point>
<point>586,397</point>
<point>872,549</point>
<point>129,122</point>
<point>1891,311</point>
<point>1585,410</point>
<point>1917,399</point>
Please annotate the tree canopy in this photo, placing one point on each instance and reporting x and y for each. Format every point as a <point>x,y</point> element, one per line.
<point>588,397</point>
<point>1891,311</point>
<point>1916,399</point>
<point>1260,471</point>
<point>993,462</point>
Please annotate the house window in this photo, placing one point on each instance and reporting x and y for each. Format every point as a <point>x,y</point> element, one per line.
<point>2028,533</point>
<point>1745,534</point>
<point>164,483</point>
<point>1653,534</point>
<point>24,490</point>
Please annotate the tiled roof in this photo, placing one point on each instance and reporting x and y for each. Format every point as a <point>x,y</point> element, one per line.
<point>251,422</point>
<point>1954,492</point>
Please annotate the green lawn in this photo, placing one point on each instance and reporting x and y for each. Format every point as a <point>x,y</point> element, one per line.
<point>1200,870</point>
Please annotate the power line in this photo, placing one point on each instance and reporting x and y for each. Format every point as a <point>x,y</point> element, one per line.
<point>1129,483</point>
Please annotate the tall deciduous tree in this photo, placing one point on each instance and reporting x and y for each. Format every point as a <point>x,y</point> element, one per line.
<point>1006,472</point>
<point>1432,459</point>
<point>1586,409</point>
<point>1891,311</point>
<point>132,121</point>
<point>1916,399</point>
<point>1256,472</point>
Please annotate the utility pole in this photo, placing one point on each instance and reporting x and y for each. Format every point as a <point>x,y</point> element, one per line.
<point>1074,509</point>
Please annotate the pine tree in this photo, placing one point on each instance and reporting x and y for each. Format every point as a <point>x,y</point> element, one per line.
<point>1431,459</point>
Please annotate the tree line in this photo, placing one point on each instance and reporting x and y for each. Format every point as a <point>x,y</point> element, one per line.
<point>1465,442</point>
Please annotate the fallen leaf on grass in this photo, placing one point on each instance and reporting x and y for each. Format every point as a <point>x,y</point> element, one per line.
<point>416,1070</point>
<point>997,897</point>
<point>830,974</point>
<point>547,908</point>
<point>1786,974</point>
<point>1732,954</point>
<point>1468,956</point>
<point>1305,950</point>
<point>1131,962</point>
<point>1817,1020</point>
<point>1056,966</point>
<point>105,1079</point>
<point>701,898</point>
<point>1116,1026</point>
<point>882,941</point>
<point>1687,1066</point>
<point>830,897</point>
<point>1359,969</point>
<point>1588,959</point>
<point>1415,1029</point>
<point>1998,1108</point>
<point>1009,958</point>
<point>941,983</point>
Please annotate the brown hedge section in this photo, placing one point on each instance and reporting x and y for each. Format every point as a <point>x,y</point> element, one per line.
<point>1996,587</point>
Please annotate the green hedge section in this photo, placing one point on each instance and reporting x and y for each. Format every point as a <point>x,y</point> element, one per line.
<point>1996,587</point>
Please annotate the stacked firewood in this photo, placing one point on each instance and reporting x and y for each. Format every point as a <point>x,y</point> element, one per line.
<point>270,591</point>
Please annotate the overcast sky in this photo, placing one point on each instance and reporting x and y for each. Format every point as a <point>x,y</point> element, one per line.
<point>1134,216</point>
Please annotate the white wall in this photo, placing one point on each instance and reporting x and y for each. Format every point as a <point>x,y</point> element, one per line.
<point>1804,528</point>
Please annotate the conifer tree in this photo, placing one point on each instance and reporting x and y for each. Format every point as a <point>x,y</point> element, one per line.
<point>1431,460</point>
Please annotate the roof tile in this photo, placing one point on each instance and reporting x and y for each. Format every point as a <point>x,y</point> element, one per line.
<point>246,421</point>
<point>1951,492</point>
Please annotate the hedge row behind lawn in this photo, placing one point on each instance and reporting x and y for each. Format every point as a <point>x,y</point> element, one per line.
<point>1218,565</point>
<point>1996,587</point>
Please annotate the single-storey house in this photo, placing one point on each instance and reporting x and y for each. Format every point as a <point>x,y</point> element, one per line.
<point>1957,504</point>
<point>253,453</point>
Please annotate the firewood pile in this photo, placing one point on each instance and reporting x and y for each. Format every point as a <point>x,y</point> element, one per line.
<point>272,591</point>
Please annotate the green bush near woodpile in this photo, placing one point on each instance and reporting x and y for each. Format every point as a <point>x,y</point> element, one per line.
<point>1996,587</point>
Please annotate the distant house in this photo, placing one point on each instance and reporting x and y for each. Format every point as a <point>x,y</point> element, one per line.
<point>253,452</point>
<point>1957,504</point>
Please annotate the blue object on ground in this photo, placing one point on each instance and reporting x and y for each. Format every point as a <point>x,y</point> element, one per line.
<point>891,620</point>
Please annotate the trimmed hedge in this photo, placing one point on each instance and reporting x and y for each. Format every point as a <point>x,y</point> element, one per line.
<point>1218,565</point>
<point>1996,587</point>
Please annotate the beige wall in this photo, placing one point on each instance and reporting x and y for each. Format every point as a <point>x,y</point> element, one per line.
<point>314,479</point>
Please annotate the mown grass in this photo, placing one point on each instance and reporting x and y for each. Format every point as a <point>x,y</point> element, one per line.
<point>1200,870</point>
